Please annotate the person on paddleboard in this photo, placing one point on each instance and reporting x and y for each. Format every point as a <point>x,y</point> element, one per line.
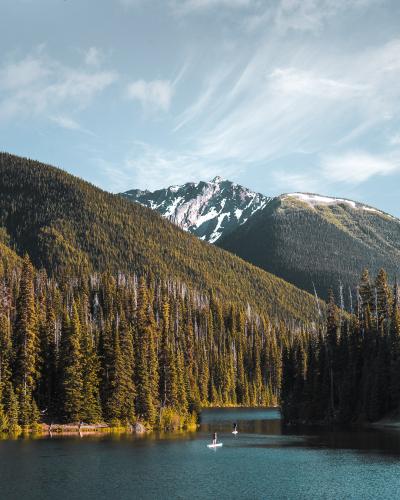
<point>235,427</point>
<point>214,438</point>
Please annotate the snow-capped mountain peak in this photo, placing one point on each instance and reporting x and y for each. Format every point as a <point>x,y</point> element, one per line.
<point>206,209</point>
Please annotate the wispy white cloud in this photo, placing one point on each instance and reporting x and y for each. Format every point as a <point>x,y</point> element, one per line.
<point>285,181</point>
<point>68,123</point>
<point>20,74</point>
<point>93,56</point>
<point>357,167</point>
<point>38,85</point>
<point>156,94</point>
<point>151,167</point>
<point>192,6</point>
<point>302,15</point>
<point>198,107</point>
<point>130,3</point>
<point>315,101</point>
<point>395,140</point>
<point>333,172</point>
<point>291,81</point>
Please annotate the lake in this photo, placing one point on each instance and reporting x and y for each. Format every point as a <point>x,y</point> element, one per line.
<point>262,461</point>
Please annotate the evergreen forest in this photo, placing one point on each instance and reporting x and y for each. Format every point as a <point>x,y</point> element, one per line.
<point>350,371</point>
<point>125,348</point>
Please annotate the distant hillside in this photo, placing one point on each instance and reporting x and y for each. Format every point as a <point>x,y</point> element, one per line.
<point>308,239</point>
<point>66,224</point>
<point>205,209</point>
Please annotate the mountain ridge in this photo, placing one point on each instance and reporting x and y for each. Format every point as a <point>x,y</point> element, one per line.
<point>305,238</point>
<point>64,223</point>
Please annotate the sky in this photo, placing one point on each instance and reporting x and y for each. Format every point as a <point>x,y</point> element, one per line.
<point>277,95</point>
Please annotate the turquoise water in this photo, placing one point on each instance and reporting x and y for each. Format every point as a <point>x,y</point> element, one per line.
<point>262,462</point>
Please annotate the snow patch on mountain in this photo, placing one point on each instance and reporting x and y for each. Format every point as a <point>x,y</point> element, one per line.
<point>207,209</point>
<point>238,213</point>
<point>317,200</point>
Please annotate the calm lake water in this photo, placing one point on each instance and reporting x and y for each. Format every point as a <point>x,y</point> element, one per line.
<point>262,461</point>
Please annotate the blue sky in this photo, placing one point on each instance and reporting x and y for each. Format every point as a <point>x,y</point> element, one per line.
<point>280,96</point>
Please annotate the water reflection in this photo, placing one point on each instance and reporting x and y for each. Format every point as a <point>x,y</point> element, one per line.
<point>266,422</point>
<point>249,420</point>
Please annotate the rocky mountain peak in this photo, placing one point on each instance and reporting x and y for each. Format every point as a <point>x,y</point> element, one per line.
<point>207,209</point>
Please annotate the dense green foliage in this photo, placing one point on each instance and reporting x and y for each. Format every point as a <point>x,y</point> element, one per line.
<point>321,245</point>
<point>125,348</point>
<point>68,226</point>
<point>351,371</point>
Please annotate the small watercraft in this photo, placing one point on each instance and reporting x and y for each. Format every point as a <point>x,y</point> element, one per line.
<point>214,445</point>
<point>235,432</point>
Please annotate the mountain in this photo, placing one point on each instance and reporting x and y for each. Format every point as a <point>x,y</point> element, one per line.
<point>307,238</point>
<point>208,210</point>
<point>67,225</point>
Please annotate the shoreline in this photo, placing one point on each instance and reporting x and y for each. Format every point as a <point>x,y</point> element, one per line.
<point>137,428</point>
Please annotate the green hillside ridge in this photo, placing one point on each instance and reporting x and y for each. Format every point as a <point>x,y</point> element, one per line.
<point>67,225</point>
<point>321,244</point>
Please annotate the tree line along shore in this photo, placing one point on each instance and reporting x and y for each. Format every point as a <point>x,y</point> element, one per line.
<point>104,352</point>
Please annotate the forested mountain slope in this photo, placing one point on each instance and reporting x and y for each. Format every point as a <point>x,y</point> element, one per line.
<point>308,239</point>
<point>68,225</point>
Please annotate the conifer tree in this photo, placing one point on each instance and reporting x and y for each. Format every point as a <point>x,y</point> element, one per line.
<point>366,291</point>
<point>26,345</point>
<point>71,367</point>
<point>121,403</point>
<point>11,408</point>
<point>395,352</point>
<point>145,360</point>
<point>5,363</point>
<point>383,298</point>
<point>47,384</point>
<point>332,339</point>
<point>91,407</point>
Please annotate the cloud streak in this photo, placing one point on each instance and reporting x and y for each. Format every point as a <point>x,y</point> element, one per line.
<point>42,87</point>
<point>335,171</point>
<point>154,95</point>
<point>93,56</point>
<point>357,167</point>
<point>148,167</point>
<point>195,6</point>
<point>304,106</point>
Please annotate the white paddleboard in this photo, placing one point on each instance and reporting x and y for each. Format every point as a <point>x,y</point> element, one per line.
<point>214,445</point>
<point>234,432</point>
